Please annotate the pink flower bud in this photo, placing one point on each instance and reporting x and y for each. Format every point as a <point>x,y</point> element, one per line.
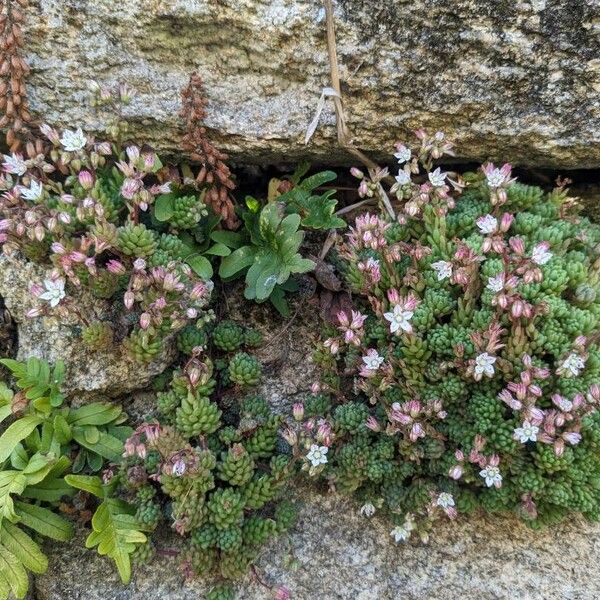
<point>506,222</point>
<point>58,248</point>
<point>373,424</point>
<point>191,313</point>
<point>356,173</point>
<point>139,264</point>
<point>315,388</point>
<point>133,153</point>
<point>363,188</point>
<point>85,180</point>
<point>456,472</point>
<point>289,436</point>
<point>282,593</point>
<point>128,299</point>
<point>33,312</point>
<point>194,375</point>
<point>145,320</point>
<point>517,245</point>
<point>298,411</point>
<point>116,267</point>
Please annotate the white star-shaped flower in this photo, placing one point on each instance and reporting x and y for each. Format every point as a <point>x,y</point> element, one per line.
<point>32,193</point>
<point>372,360</point>
<point>487,224</point>
<point>445,500</point>
<point>484,364</point>
<point>317,455</point>
<point>403,177</point>
<point>400,533</point>
<point>399,319</point>
<point>573,364</point>
<point>540,254</point>
<point>403,155</point>
<point>72,141</point>
<point>526,433</point>
<point>492,476</point>
<point>437,178</point>
<point>496,284</point>
<point>14,164</point>
<point>442,268</point>
<point>495,178</point>
<point>55,291</point>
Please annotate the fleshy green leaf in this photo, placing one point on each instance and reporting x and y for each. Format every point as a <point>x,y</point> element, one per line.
<point>201,266</point>
<point>237,261</point>
<point>164,207</point>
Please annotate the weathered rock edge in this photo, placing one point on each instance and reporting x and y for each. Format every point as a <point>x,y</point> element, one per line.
<point>341,555</point>
<point>509,81</point>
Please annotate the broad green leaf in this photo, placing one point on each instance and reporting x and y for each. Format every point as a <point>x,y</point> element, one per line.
<point>116,534</point>
<point>219,250</point>
<point>237,261</point>
<point>6,395</point>
<point>164,207</point>
<point>88,483</point>
<point>16,432</point>
<point>104,444</point>
<point>231,239</point>
<point>38,468</point>
<point>11,482</point>
<point>278,300</point>
<point>97,413</point>
<point>317,180</point>
<point>48,490</point>
<point>301,265</point>
<point>201,266</point>
<point>44,521</point>
<point>253,204</point>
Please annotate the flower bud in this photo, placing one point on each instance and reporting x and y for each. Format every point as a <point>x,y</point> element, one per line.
<point>128,299</point>
<point>298,411</point>
<point>85,180</point>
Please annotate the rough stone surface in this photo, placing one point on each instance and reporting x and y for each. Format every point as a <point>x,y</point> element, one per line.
<point>340,555</point>
<point>516,81</point>
<point>89,373</point>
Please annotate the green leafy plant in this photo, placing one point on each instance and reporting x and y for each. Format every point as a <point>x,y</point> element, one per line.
<point>267,251</point>
<point>36,449</point>
<point>116,532</point>
<point>317,211</point>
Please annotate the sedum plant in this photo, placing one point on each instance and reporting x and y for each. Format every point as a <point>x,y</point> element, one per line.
<point>85,208</point>
<point>213,471</point>
<point>467,374</point>
<point>40,447</point>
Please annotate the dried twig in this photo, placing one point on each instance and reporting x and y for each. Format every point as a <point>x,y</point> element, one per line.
<point>343,133</point>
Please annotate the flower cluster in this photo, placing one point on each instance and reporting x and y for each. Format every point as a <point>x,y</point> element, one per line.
<point>84,208</point>
<point>466,373</point>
